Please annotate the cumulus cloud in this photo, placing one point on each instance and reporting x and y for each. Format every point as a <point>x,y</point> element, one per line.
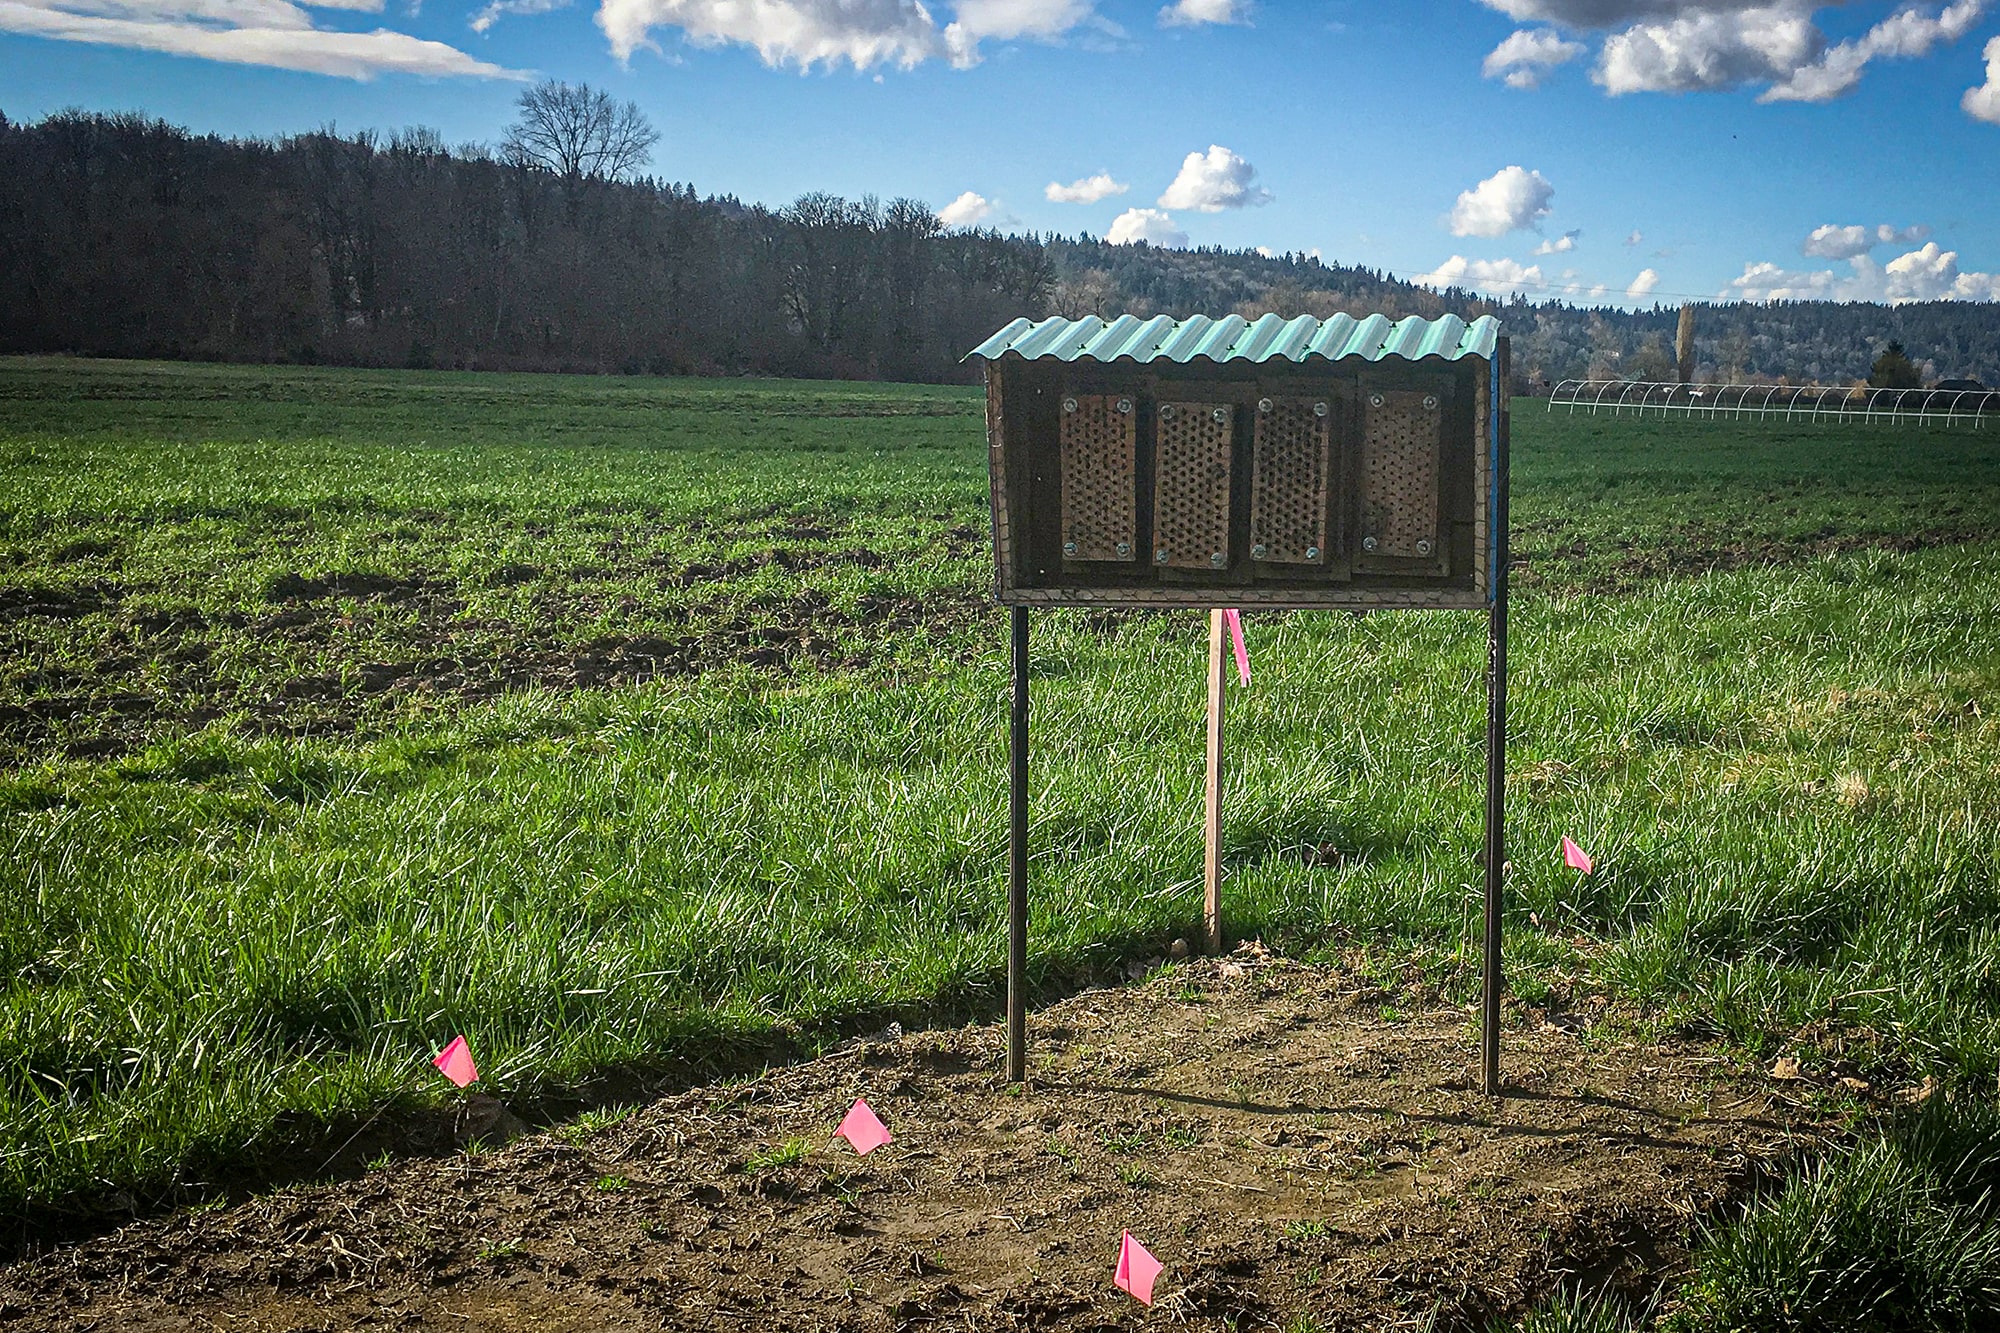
<point>1905,35</point>
<point>1086,191</point>
<point>1702,50</point>
<point>1212,181</point>
<point>1512,199</point>
<point>861,33</point>
<point>968,210</point>
<point>275,33</point>
<point>996,20</point>
<point>1643,285</point>
<point>1831,242</point>
<point>1929,273</point>
<point>1146,224</point>
<point>1194,13</point>
<point>1983,102</point>
<point>1528,56</point>
<point>1561,245</point>
<point>1680,46</point>
<point>1487,275</point>
<point>805,33</point>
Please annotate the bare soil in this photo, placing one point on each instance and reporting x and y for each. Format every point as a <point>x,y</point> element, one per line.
<point>1285,1144</point>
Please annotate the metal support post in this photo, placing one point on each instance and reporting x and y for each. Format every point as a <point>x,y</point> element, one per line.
<point>1017,860</point>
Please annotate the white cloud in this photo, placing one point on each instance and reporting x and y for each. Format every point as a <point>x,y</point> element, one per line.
<point>1643,285</point>
<point>1193,13</point>
<point>1146,224</point>
<point>1528,56</point>
<point>1086,191</point>
<point>996,20</point>
<point>1561,245</point>
<point>1983,102</point>
<point>1509,200</point>
<point>1266,252</point>
<point>968,210</point>
<point>862,33</point>
<point>1831,242</point>
<point>1906,34</point>
<point>1212,181</point>
<point>1930,273</point>
<point>1701,50</point>
<point>274,33</point>
<point>783,32</point>
<point>490,15</point>
<point>1487,275</point>
<point>1696,45</point>
<point>1635,238</point>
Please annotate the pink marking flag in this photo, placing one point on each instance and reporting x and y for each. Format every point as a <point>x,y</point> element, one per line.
<point>1235,619</point>
<point>1575,857</point>
<point>1136,1269</point>
<point>864,1129</point>
<point>455,1062</point>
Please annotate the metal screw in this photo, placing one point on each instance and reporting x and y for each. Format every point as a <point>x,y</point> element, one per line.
<point>1430,402</point>
<point>1320,409</point>
<point>1424,547</point>
<point>1374,400</point>
<point>1257,552</point>
<point>1220,414</point>
<point>1069,404</point>
<point>1069,548</point>
<point>1217,559</point>
<point>1367,543</point>
<point>1124,549</point>
<point>1264,404</point>
<point>1312,552</point>
<point>1166,411</point>
<point>1160,556</point>
<point>1125,405</point>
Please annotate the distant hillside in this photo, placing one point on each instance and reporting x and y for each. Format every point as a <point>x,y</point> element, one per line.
<point>1819,341</point>
<point>123,236</point>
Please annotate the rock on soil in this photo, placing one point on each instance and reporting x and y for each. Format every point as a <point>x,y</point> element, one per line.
<point>1282,1141</point>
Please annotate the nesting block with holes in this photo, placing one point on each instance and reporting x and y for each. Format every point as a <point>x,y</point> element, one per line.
<point>1224,462</point>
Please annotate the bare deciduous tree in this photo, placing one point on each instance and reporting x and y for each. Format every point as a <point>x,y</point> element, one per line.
<point>578,133</point>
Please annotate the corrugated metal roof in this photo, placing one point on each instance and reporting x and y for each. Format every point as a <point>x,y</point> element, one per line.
<point>1233,338</point>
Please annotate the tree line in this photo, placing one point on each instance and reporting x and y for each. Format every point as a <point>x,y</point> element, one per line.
<point>127,236</point>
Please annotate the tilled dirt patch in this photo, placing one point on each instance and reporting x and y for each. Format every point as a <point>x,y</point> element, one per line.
<point>1282,1142</point>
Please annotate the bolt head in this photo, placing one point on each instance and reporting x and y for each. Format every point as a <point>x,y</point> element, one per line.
<point>1160,556</point>
<point>1259,551</point>
<point>1264,404</point>
<point>1375,400</point>
<point>1124,548</point>
<point>1369,543</point>
<point>1312,552</point>
<point>1069,548</point>
<point>1217,559</point>
<point>1125,406</point>
<point>1430,402</point>
<point>1166,410</point>
<point>1220,414</point>
<point>1069,404</point>
<point>1423,548</point>
<point>1320,409</point>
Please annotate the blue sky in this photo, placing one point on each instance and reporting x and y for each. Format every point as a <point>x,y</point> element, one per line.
<point>1649,149</point>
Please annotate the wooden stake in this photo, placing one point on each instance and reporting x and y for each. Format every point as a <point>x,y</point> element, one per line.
<point>1218,649</point>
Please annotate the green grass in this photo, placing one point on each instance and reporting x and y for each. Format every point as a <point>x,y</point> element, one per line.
<point>1755,673</point>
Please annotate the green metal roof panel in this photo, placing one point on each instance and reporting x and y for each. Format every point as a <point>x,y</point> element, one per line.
<point>1233,338</point>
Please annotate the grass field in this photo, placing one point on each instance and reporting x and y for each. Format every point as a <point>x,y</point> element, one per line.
<point>626,723</point>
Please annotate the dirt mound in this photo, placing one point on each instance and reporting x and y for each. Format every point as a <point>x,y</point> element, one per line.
<point>1282,1140</point>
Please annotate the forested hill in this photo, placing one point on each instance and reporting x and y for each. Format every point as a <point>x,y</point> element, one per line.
<point>123,236</point>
